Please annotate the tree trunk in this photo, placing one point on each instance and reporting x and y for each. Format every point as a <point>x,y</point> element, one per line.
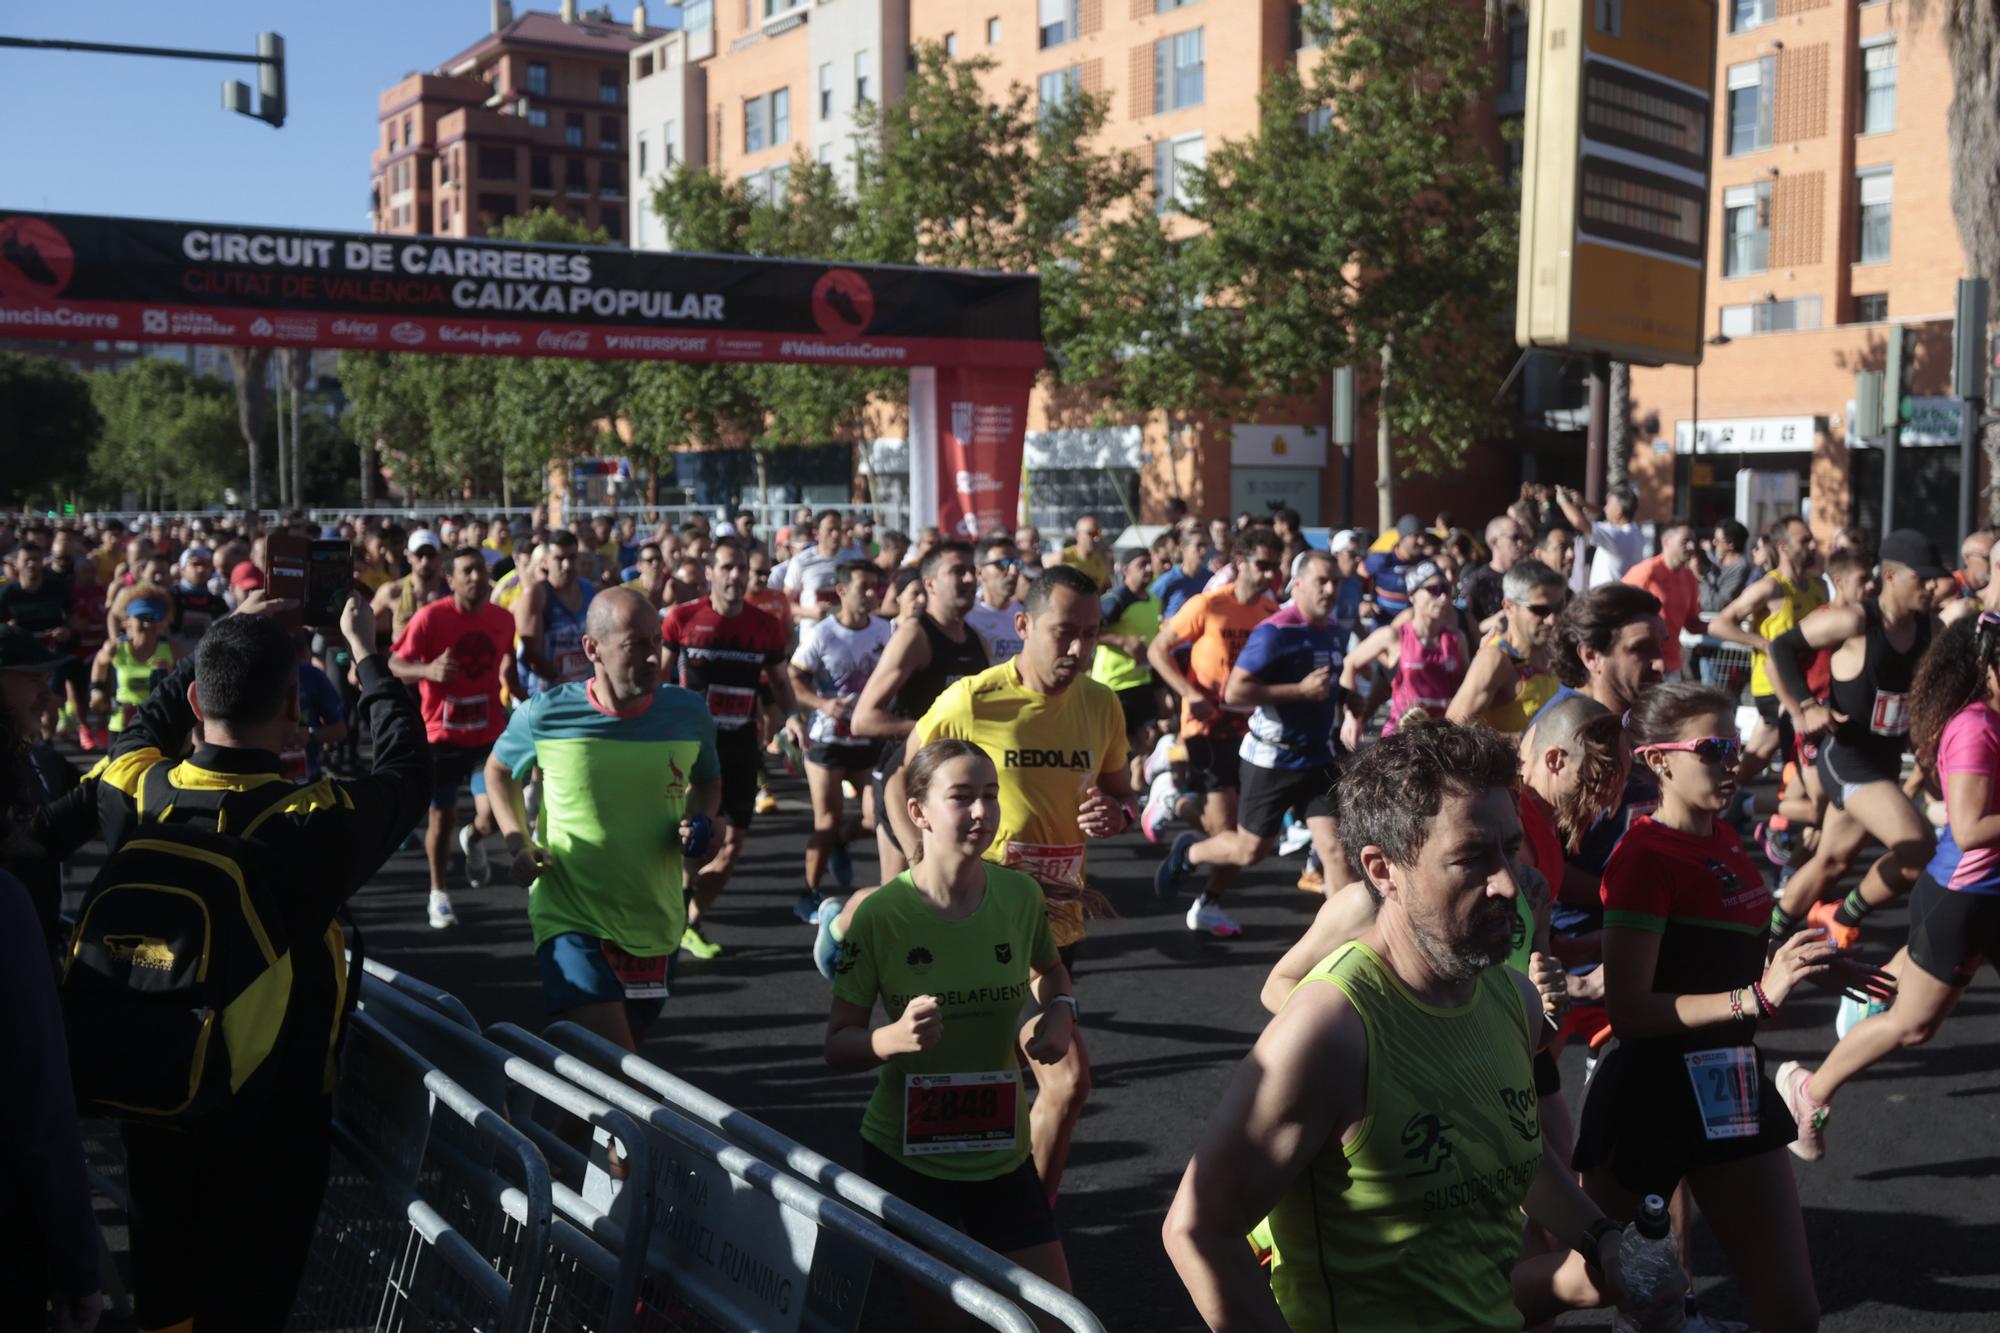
<point>284,468</point>
<point>296,365</point>
<point>1618,456</point>
<point>252,400</point>
<point>1972,39</point>
<point>366,448</point>
<point>1385,495</point>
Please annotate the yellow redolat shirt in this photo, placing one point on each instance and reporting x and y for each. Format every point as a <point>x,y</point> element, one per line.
<point>1050,749</point>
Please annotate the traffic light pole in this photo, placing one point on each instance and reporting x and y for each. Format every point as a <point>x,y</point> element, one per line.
<point>270,55</point>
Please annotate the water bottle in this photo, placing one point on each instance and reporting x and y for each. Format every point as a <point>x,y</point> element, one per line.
<point>1649,1265</point>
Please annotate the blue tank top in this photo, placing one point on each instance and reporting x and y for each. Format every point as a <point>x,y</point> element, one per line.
<point>562,642</point>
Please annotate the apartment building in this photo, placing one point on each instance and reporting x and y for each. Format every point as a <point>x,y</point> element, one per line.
<point>1830,232</point>
<point>531,115</point>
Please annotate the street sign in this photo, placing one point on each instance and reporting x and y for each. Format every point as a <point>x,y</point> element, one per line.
<point>1615,178</point>
<point>1932,420</point>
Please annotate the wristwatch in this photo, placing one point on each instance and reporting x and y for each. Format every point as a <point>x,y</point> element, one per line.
<point>1075,1010</point>
<point>1590,1241</point>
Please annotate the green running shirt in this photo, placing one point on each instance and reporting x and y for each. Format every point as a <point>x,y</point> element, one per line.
<point>897,948</point>
<point>1414,1225</point>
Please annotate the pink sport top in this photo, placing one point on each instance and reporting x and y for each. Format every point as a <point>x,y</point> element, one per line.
<point>1427,675</point>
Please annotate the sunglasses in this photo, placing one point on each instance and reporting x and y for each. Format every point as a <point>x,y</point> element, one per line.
<point>1708,749</point>
<point>1000,564</point>
<point>1268,566</point>
<point>1541,612</point>
<point>1436,589</point>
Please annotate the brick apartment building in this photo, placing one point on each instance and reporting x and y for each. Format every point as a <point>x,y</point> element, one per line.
<point>1829,228</point>
<point>531,115</point>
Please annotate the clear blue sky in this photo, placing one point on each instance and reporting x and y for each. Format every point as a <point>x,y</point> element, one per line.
<point>146,137</point>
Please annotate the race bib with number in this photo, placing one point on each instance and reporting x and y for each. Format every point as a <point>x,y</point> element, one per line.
<point>641,978</point>
<point>572,664</point>
<point>959,1112</point>
<point>1725,1090</point>
<point>1891,716</point>
<point>731,705</point>
<point>465,712</point>
<point>1053,865</point>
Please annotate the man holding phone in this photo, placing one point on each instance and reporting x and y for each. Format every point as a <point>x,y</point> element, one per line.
<point>458,651</point>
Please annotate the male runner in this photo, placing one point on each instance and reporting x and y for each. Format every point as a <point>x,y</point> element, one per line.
<point>1217,625</point>
<point>654,583</point>
<point>42,605</point>
<point>1876,647</point>
<point>195,597</point>
<point>1481,587</point>
<point>1087,552</point>
<point>1670,577</point>
<point>1386,1122</point>
<point>1555,546</point>
<point>812,576</point>
<point>400,599</point>
<point>723,649</point>
<point>624,760</point>
<point>1616,541</point>
<point>1186,579</point>
<point>458,651</point>
<point>926,653</point>
<point>1289,670</point>
<point>1778,601</point>
<point>1131,620</point>
<point>549,619</point>
<point>835,657</point>
<point>992,616</point>
<point>1386,568</point>
<point>1510,677</point>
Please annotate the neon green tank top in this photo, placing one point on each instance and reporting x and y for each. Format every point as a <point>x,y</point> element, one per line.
<point>1415,1224</point>
<point>1536,686</point>
<point>1800,602</point>
<point>134,679</point>
<point>1119,671</point>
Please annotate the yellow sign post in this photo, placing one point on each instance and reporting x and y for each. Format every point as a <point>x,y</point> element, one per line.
<point>1614,197</point>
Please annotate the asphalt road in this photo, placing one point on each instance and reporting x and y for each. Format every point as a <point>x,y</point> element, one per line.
<point>1901,1216</point>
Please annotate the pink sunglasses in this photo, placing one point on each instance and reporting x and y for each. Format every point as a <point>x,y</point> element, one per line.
<point>1712,749</point>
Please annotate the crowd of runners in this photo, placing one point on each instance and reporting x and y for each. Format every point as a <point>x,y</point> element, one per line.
<point>1510,757</point>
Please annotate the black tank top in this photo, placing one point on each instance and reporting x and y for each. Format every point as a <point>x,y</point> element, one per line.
<point>949,662</point>
<point>1876,703</point>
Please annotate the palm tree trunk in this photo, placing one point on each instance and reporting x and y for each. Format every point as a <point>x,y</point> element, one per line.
<point>296,363</point>
<point>1619,451</point>
<point>252,399</point>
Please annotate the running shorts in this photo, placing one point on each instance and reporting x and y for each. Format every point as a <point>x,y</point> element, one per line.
<point>1008,1213</point>
<point>1844,770</point>
<point>894,751</point>
<point>857,757</point>
<point>1952,932</point>
<point>1641,1119</point>
<point>575,972</point>
<point>1212,764</point>
<point>456,766</point>
<point>742,760</point>
<point>1269,792</point>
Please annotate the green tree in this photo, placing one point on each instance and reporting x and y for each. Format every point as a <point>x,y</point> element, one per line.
<point>49,426</point>
<point>1364,222</point>
<point>169,436</point>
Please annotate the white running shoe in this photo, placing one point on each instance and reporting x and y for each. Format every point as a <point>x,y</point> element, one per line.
<point>477,865</point>
<point>1810,1116</point>
<point>1159,808</point>
<point>1160,760</point>
<point>441,915</point>
<point>1206,915</point>
<point>1297,838</point>
<point>1852,1012</point>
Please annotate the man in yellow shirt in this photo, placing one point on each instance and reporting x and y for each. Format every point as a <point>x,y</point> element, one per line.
<point>1087,553</point>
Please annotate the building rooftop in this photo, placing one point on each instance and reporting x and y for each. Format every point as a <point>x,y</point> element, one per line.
<point>588,36</point>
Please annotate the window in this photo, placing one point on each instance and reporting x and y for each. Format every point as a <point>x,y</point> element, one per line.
<point>1165,6</point>
<point>769,186</point>
<point>781,116</point>
<point>826,91</point>
<point>1746,229</point>
<point>1317,121</point>
<point>496,207</point>
<point>1516,88</point>
<point>610,180</point>
<point>698,15</point>
<point>825,154</point>
<point>1173,161</point>
<point>610,134</point>
<point>409,131</point>
<point>1055,22</point>
<point>538,80</point>
<point>608,90</point>
<point>669,154</point>
<point>756,113</point>
<point>861,68</point>
<point>1057,87</point>
<point>951,46</point>
<point>496,164</point>
<point>644,234</point>
<point>573,130</point>
<point>642,156</point>
<point>1878,87</point>
<point>646,65</point>
<point>1610,17</point>
<point>576,176</point>
<point>993,32</point>
<point>1177,71</point>
<point>1871,309</point>
<point>613,224</point>
<point>538,117</point>
<point>777,9</point>
<point>1876,189</point>
<point>1742,321</point>
<point>540,176</point>
<point>1752,94</point>
<point>444,215</point>
<point>1747,14</point>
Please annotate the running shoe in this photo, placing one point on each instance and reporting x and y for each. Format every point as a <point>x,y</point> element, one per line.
<point>1175,867</point>
<point>440,913</point>
<point>1207,915</point>
<point>1297,838</point>
<point>1160,760</point>
<point>695,943</point>
<point>477,864</point>
<point>795,762</point>
<point>1312,879</point>
<point>1810,1116</point>
<point>1159,807</point>
<point>1853,1012</point>
<point>1781,845</point>
<point>847,790</point>
<point>826,945</point>
<point>806,907</point>
<point>841,863</point>
<point>767,804</point>
<point>1841,937</point>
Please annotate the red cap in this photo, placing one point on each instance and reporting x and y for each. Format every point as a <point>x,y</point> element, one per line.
<point>246,575</point>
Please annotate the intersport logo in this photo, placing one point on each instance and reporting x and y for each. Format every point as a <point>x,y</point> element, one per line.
<point>575,340</point>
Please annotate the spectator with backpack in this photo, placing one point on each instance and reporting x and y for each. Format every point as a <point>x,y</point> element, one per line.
<point>205,994</point>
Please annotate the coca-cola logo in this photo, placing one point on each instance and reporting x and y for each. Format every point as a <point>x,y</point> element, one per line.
<point>407,333</point>
<point>574,340</point>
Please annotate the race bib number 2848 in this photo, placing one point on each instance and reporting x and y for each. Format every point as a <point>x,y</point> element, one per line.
<point>959,1112</point>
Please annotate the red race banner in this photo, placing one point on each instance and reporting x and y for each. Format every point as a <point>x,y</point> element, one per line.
<point>982,420</point>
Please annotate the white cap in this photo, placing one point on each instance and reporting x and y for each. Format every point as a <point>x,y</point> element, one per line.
<point>196,552</point>
<point>1344,540</point>
<point>420,538</point>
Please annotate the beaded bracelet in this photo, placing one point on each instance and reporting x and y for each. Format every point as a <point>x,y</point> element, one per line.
<point>1764,1005</point>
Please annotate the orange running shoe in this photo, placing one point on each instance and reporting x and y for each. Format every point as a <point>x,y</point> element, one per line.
<point>1842,937</point>
<point>1311,881</point>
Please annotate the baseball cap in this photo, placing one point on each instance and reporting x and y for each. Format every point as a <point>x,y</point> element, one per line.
<point>1423,572</point>
<point>421,538</point>
<point>246,575</point>
<point>1346,540</point>
<point>146,608</point>
<point>197,552</point>
<point>1907,546</point>
<point>22,651</point>
<point>1409,525</point>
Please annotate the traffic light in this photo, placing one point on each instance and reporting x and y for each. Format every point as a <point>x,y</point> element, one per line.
<point>1895,410</point>
<point>1967,328</point>
<point>270,84</point>
<point>1867,405</point>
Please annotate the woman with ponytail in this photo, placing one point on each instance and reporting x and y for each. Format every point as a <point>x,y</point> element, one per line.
<point>1955,907</point>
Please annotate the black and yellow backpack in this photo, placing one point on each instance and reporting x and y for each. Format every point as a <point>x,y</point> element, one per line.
<point>179,977</point>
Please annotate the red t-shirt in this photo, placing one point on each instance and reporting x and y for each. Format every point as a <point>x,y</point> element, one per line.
<point>464,710</point>
<point>722,658</point>
<point>1545,849</point>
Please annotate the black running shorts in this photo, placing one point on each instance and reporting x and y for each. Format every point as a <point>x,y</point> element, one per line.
<point>1952,932</point>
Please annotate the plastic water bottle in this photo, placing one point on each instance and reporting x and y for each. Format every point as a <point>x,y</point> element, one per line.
<point>1649,1265</point>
